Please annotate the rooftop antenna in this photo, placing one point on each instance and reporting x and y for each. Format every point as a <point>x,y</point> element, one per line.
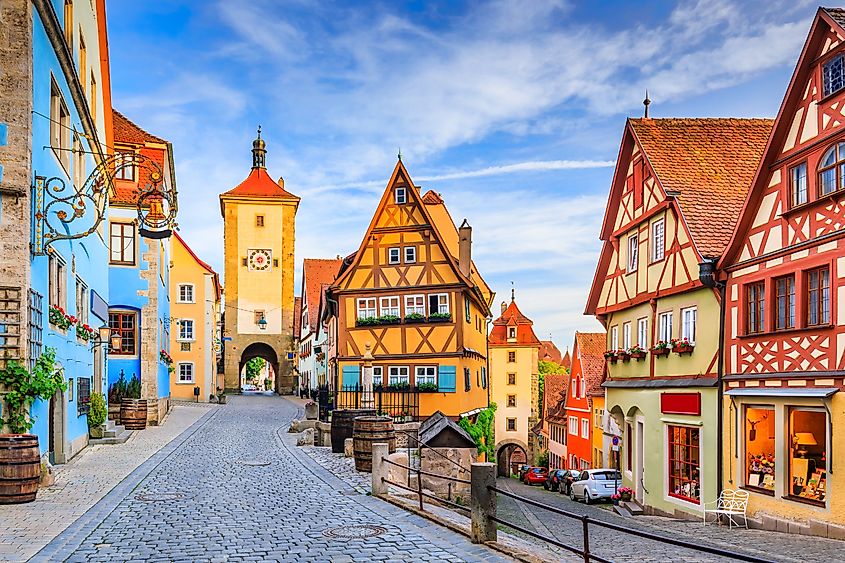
<point>400,154</point>
<point>646,103</point>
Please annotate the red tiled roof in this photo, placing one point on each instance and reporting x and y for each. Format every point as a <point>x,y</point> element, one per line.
<point>317,273</point>
<point>510,317</point>
<point>260,184</point>
<point>297,315</point>
<point>549,352</point>
<point>201,263</point>
<point>432,198</point>
<point>554,395</point>
<point>711,163</point>
<point>125,131</point>
<point>566,361</point>
<point>590,347</point>
<point>838,15</point>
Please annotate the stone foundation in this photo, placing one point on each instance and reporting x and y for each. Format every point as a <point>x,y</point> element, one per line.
<point>449,463</point>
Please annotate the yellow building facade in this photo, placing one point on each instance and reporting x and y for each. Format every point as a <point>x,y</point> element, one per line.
<point>195,294</point>
<point>514,384</point>
<point>259,229</point>
<point>412,296</point>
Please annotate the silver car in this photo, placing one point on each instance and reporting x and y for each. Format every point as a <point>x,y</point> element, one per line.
<point>595,484</point>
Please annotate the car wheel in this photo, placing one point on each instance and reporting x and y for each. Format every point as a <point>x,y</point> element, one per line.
<point>572,496</point>
<point>587,499</point>
<point>546,486</point>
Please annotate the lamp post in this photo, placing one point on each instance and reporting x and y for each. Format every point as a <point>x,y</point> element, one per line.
<point>105,337</point>
<point>367,399</point>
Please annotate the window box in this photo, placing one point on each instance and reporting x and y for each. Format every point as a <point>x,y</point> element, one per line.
<point>85,332</point>
<point>401,386</point>
<point>375,321</point>
<point>612,356</point>
<point>60,319</point>
<point>682,347</point>
<point>440,317</point>
<point>636,352</point>
<point>427,387</point>
<point>414,318</point>
<point>662,348</point>
<point>624,356</point>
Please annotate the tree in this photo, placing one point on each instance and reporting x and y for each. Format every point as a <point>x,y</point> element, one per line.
<point>253,368</point>
<point>482,431</point>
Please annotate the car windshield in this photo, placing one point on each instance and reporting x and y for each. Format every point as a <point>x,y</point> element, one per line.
<point>606,475</point>
<point>538,470</point>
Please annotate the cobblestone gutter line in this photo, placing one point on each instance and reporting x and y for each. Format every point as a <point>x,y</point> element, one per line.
<point>73,536</point>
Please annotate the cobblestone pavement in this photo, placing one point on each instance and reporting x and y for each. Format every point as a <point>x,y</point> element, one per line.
<point>619,547</point>
<point>235,488</point>
<point>26,528</point>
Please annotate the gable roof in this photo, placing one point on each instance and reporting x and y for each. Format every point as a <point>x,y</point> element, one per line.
<point>297,315</point>
<point>710,162</point>
<point>202,264</point>
<point>316,274</point>
<point>566,361</point>
<point>824,20</point>
<point>126,131</point>
<point>589,350</point>
<point>439,431</point>
<point>550,353</point>
<point>554,395</point>
<point>512,316</point>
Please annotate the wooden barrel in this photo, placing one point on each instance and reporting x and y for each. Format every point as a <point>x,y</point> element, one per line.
<point>342,425</point>
<point>20,468</point>
<point>368,430</point>
<point>133,413</point>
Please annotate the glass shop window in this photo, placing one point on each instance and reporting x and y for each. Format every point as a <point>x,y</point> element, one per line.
<point>808,464</point>
<point>760,447</point>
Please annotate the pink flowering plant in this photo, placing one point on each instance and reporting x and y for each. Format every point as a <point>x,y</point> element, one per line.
<point>623,493</point>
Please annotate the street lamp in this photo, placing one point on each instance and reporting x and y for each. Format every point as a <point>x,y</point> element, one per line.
<point>105,337</point>
<point>262,323</point>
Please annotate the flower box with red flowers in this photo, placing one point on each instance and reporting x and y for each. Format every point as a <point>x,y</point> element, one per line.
<point>60,319</point>
<point>612,356</point>
<point>164,357</point>
<point>661,348</point>
<point>636,352</point>
<point>684,346</point>
<point>85,332</point>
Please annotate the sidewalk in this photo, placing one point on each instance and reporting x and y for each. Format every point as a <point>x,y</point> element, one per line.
<point>81,483</point>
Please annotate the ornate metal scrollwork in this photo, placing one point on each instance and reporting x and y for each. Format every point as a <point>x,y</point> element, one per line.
<point>64,212</point>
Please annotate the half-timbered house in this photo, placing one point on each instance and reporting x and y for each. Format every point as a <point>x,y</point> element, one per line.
<point>785,321</point>
<point>675,197</point>
<point>412,297</point>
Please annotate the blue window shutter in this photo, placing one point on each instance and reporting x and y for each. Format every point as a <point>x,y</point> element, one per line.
<point>351,375</point>
<point>446,379</point>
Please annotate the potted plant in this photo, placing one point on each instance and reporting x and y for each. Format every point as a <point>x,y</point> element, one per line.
<point>97,415</point>
<point>400,386</point>
<point>624,355</point>
<point>611,355</point>
<point>427,387</point>
<point>624,494</point>
<point>414,318</point>
<point>60,319</point>
<point>682,346</point>
<point>440,317</point>
<point>636,352</point>
<point>22,388</point>
<point>661,348</point>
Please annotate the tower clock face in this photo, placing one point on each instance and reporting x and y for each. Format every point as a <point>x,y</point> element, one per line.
<point>260,259</point>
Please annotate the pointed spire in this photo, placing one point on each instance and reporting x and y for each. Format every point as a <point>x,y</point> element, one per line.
<point>400,154</point>
<point>513,293</point>
<point>646,103</point>
<point>259,153</point>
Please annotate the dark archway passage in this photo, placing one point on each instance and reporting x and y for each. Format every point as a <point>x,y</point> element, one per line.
<point>508,459</point>
<point>258,350</point>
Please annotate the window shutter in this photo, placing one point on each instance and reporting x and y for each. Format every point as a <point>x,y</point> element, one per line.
<point>351,375</point>
<point>483,377</point>
<point>446,379</point>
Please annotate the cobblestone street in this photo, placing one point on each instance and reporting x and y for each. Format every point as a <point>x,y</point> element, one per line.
<point>234,488</point>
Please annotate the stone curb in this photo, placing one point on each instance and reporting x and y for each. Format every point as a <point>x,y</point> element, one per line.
<point>72,537</point>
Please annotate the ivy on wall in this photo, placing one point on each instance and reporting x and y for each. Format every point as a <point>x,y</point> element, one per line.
<point>482,431</point>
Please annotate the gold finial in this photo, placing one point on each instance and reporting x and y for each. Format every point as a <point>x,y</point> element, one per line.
<point>646,103</point>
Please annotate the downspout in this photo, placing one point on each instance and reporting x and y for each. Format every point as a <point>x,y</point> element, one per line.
<point>708,277</point>
<point>336,343</point>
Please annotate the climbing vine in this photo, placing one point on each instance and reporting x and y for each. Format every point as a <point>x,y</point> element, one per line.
<point>23,387</point>
<point>482,431</point>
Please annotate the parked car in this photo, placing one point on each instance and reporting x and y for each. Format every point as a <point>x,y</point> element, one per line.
<point>595,484</point>
<point>569,477</point>
<point>535,476</point>
<point>522,470</point>
<point>554,479</point>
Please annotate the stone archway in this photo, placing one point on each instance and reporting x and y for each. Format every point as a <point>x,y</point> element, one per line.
<point>258,350</point>
<point>510,454</point>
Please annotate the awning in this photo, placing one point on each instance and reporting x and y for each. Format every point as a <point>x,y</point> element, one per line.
<point>807,392</point>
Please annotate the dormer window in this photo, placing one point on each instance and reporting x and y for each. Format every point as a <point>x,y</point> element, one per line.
<point>832,170</point>
<point>400,195</point>
<point>833,75</point>
<point>512,333</point>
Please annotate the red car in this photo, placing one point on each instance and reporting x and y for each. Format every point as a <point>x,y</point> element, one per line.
<point>535,476</point>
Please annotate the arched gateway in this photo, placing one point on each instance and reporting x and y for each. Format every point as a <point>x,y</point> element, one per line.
<point>510,454</point>
<point>258,226</point>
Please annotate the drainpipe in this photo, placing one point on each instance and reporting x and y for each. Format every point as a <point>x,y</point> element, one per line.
<point>708,276</point>
<point>336,343</point>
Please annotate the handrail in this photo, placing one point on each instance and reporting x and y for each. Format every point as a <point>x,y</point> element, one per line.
<point>437,498</point>
<point>420,471</point>
<point>549,540</point>
<point>639,533</point>
<point>416,438</point>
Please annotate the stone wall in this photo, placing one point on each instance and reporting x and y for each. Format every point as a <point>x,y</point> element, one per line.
<point>449,462</point>
<point>149,346</point>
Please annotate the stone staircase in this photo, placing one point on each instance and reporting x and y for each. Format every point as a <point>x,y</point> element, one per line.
<point>628,508</point>
<point>113,434</point>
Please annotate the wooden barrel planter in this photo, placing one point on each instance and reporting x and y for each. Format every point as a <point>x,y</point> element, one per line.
<point>369,430</point>
<point>20,468</point>
<point>342,425</point>
<point>133,413</point>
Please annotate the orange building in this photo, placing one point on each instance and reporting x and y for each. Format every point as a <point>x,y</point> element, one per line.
<point>411,305</point>
<point>584,384</point>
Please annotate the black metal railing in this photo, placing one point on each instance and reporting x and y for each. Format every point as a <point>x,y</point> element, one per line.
<point>402,405</point>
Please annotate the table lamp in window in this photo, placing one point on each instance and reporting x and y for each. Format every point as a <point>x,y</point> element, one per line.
<point>803,439</point>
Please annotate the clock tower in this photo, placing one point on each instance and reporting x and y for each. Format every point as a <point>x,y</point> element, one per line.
<point>258,226</point>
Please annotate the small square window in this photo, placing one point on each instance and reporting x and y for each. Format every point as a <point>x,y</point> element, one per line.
<point>511,379</point>
<point>511,425</point>
<point>511,357</point>
<point>511,333</point>
<point>400,195</point>
<point>410,254</point>
<point>833,74</point>
<point>511,400</point>
<point>259,220</point>
<point>393,255</point>
<point>243,261</point>
<point>275,262</point>
<point>185,347</point>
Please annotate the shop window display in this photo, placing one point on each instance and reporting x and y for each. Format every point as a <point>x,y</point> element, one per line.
<point>760,447</point>
<point>684,463</point>
<point>808,463</point>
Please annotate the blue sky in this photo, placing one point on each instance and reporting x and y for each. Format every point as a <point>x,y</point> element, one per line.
<point>513,111</point>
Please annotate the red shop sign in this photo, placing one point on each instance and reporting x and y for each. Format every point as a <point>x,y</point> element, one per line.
<point>680,403</point>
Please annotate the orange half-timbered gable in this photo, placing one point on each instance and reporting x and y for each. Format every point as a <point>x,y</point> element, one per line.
<point>785,289</point>
<point>412,294</point>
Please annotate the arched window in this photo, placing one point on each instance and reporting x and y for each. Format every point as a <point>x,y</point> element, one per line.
<point>832,170</point>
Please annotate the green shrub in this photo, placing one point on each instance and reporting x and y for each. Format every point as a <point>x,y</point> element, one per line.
<point>98,411</point>
<point>23,387</point>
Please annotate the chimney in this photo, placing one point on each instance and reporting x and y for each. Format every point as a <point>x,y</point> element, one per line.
<point>281,182</point>
<point>465,248</point>
<point>504,307</point>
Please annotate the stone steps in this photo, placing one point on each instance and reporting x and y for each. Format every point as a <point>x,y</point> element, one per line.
<point>113,434</point>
